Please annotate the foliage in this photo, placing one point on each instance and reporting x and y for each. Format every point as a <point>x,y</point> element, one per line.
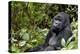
<point>30,23</point>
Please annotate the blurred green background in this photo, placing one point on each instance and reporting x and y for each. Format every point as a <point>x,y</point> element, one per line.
<point>30,23</point>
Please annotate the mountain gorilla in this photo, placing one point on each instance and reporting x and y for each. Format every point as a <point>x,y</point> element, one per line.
<point>60,29</point>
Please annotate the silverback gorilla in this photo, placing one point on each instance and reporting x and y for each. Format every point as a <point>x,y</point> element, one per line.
<point>60,29</point>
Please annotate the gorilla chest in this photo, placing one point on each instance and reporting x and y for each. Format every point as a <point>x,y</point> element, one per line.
<point>54,40</point>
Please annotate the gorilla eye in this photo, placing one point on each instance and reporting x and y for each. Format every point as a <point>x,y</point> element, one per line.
<point>59,19</point>
<point>56,18</point>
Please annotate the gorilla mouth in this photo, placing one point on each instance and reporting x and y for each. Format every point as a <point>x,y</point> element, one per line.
<point>56,29</point>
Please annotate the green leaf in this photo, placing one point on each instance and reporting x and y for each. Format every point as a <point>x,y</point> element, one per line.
<point>71,45</point>
<point>63,42</point>
<point>22,43</point>
<point>69,40</point>
<point>25,36</point>
<point>33,41</point>
<point>14,48</point>
<point>29,45</point>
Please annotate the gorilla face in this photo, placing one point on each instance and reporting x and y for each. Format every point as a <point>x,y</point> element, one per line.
<point>58,22</point>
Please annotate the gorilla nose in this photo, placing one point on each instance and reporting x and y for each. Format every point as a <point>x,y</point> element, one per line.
<point>56,23</point>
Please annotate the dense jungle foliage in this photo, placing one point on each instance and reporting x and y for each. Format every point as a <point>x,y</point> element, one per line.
<point>30,22</point>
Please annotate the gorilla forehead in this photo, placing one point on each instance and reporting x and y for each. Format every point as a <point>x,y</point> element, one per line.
<point>62,15</point>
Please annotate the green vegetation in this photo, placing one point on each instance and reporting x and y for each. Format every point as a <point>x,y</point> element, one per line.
<point>30,23</point>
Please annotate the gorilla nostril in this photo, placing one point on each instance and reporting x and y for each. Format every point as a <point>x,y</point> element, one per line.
<point>55,23</point>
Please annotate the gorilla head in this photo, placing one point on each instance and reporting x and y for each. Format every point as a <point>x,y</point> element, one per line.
<point>60,21</point>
